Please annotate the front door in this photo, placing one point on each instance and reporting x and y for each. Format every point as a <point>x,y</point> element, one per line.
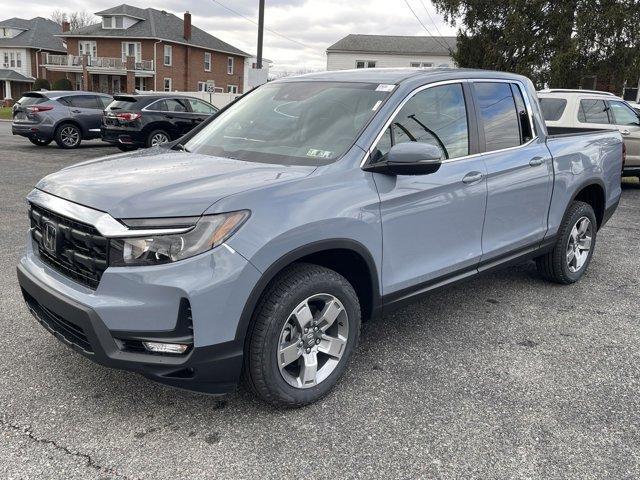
<point>628,123</point>
<point>432,224</point>
<point>116,85</point>
<point>519,171</point>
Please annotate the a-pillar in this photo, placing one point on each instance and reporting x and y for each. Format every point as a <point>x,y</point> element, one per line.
<point>131,74</point>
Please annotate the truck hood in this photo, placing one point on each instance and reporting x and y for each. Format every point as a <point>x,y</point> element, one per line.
<point>162,183</point>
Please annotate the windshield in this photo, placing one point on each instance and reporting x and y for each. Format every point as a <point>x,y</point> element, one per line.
<point>292,122</point>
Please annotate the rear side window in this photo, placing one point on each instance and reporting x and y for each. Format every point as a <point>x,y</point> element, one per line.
<point>26,101</point>
<point>167,105</point>
<point>82,101</point>
<point>103,102</point>
<point>552,108</point>
<point>593,111</point>
<point>499,115</point>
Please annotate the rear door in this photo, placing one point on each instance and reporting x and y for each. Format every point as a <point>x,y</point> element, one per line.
<point>519,170</point>
<point>87,111</point>
<point>432,224</point>
<point>628,123</point>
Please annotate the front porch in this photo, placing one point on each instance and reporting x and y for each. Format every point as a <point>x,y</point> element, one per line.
<point>12,86</point>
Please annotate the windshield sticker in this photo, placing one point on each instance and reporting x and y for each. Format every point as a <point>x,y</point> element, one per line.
<point>375,107</point>
<point>385,88</point>
<point>314,152</point>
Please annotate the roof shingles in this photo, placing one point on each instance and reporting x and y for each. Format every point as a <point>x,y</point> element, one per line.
<point>158,25</point>
<point>394,44</point>
<point>38,33</point>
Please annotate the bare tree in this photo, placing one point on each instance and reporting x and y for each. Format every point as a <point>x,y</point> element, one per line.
<point>75,19</point>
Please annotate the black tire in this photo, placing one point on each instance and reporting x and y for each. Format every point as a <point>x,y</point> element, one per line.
<point>126,148</point>
<point>68,136</point>
<point>150,137</point>
<point>261,373</point>
<point>554,265</point>
<point>40,142</point>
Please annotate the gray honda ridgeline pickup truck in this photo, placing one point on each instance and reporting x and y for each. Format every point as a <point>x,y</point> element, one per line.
<point>256,246</point>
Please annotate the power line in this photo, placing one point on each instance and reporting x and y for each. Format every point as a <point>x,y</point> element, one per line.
<point>431,18</point>
<point>425,27</point>
<point>256,23</point>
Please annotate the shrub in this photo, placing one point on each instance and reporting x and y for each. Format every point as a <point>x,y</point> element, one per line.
<point>41,83</point>
<point>62,84</point>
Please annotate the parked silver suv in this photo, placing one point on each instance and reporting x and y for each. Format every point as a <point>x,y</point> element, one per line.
<point>572,110</point>
<point>63,116</point>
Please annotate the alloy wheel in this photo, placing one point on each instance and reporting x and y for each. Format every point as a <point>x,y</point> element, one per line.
<point>579,244</point>
<point>70,136</point>
<point>313,341</point>
<point>159,139</point>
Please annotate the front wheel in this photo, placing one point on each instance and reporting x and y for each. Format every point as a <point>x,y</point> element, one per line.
<point>39,141</point>
<point>572,252</point>
<point>304,333</point>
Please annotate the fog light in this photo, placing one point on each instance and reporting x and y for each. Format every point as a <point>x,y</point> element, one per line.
<point>173,348</point>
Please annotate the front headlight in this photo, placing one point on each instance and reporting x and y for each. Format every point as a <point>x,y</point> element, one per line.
<point>209,232</point>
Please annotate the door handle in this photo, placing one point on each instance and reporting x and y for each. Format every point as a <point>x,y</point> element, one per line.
<point>536,161</point>
<point>472,177</point>
<point>625,132</point>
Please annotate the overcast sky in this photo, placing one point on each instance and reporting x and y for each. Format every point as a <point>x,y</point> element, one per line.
<point>315,24</point>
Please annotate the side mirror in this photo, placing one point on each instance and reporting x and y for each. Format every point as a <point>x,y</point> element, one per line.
<point>410,158</point>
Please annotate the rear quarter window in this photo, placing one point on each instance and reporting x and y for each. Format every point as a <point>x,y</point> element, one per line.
<point>552,108</point>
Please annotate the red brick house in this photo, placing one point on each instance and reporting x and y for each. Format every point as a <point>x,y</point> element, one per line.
<point>147,49</point>
<point>23,43</point>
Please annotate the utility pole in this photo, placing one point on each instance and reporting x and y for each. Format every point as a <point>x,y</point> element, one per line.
<point>260,33</point>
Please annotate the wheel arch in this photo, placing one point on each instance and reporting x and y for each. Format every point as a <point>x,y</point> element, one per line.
<point>348,257</point>
<point>593,192</point>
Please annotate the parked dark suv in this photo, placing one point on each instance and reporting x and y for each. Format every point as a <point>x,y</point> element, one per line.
<point>63,116</point>
<point>133,121</point>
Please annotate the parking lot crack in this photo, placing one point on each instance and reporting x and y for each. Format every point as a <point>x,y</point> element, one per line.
<point>90,462</point>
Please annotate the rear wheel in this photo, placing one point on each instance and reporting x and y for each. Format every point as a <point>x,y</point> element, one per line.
<point>40,142</point>
<point>304,333</point>
<point>68,135</point>
<point>157,137</point>
<point>571,255</point>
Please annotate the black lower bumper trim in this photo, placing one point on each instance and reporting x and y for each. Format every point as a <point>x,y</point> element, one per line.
<point>211,369</point>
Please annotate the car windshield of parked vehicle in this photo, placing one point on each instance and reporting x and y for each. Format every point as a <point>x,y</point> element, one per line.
<point>292,122</point>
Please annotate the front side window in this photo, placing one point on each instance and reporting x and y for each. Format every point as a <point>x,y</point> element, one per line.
<point>593,111</point>
<point>499,116</point>
<point>623,114</point>
<point>230,65</point>
<point>552,108</point>
<point>437,116</point>
<point>291,123</point>
<point>207,61</point>
<point>198,106</point>
<point>168,55</point>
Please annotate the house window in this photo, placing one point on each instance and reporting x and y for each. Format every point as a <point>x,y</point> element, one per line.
<point>207,61</point>
<point>232,89</point>
<point>6,60</point>
<point>230,66</point>
<point>12,60</point>
<point>167,85</point>
<point>88,48</point>
<point>140,84</point>
<point>168,55</point>
<point>119,22</point>
<point>107,22</point>
<point>365,64</point>
<point>421,64</point>
<point>18,60</point>
<point>132,49</point>
<point>206,86</point>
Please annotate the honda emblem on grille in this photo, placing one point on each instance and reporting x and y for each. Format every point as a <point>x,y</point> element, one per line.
<point>49,235</point>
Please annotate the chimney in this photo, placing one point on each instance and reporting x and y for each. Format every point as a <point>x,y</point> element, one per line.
<point>187,26</point>
<point>66,26</point>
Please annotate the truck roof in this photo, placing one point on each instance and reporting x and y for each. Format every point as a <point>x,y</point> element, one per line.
<point>397,75</point>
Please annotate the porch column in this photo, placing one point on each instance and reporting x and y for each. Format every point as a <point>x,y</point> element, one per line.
<point>86,77</point>
<point>7,89</point>
<point>131,74</point>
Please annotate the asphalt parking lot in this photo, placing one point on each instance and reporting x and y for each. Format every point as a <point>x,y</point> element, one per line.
<point>502,377</point>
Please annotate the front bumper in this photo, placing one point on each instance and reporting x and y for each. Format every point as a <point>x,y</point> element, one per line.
<point>92,322</point>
